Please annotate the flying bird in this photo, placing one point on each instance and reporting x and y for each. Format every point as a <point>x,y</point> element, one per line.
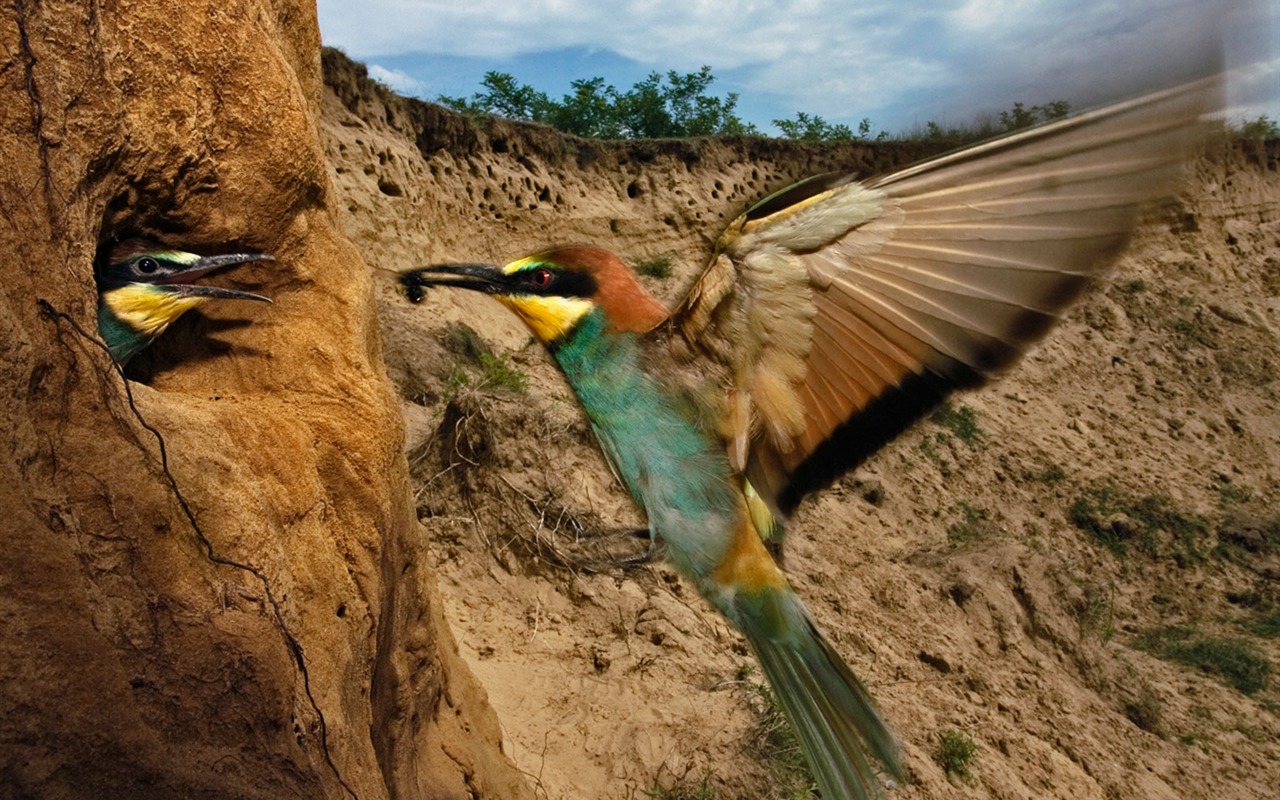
<point>832,315</point>
<point>144,287</point>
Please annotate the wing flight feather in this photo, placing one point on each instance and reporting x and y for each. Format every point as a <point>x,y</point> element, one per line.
<point>844,311</point>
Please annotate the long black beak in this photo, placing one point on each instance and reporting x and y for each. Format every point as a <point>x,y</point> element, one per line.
<point>179,281</point>
<point>485,278</point>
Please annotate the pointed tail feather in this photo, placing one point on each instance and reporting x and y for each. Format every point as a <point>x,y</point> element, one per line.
<point>827,705</point>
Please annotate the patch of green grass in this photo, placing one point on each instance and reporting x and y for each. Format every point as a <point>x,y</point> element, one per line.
<point>1233,494</point>
<point>975,524</point>
<point>1243,536</point>
<point>1193,332</point>
<point>458,380</point>
<point>1116,521</point>
<point>496,374</point>
<point>1157,512</point>
<point>1135,286</point>
<point>1193,740</point>
<point>1238,663</point>
<point>962,422</point>
<point>684,789</point>
<point>929,447</point>
<point>1095,514</point>
<point>1266,625</point>
<point>656,267</point>
<point>955,753</point>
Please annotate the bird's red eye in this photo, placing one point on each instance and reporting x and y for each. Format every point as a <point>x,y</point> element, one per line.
<point>541,278</point>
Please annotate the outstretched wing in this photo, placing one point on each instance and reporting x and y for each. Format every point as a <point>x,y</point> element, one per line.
<point>844,311</point>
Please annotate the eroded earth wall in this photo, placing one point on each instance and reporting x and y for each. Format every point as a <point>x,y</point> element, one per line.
<point>209,576</point>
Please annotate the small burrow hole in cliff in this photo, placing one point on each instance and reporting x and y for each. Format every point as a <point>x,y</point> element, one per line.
<point>633,189</point>
<point>198,334</point>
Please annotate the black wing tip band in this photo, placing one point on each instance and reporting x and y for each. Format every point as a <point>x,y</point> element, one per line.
<point>874,426</point>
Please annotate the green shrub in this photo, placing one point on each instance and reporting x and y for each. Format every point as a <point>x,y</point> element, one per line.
<point>955,753</point>
<point>497,374</point>
<point>660,106</point>
<point>1261,128</point>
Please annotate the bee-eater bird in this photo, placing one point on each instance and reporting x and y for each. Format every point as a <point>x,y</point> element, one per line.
<point>831,316</point>
<point>144,287</point>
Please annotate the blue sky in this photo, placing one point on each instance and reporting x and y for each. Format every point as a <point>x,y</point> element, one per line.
<point>899,63</point>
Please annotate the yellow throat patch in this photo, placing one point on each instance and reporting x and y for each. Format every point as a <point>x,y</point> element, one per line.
<point>147,309</point>
<point>549,317</point>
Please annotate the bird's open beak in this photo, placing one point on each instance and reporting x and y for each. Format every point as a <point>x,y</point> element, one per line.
<point>485,278</point>
<point>180,282</point>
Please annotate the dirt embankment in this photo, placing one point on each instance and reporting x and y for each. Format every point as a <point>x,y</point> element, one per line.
<point>1028,570</point>
<point>211,581</point>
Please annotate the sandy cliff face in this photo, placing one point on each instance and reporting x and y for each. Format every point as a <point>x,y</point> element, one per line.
<point>211,581</point>
<point>1003,571</point>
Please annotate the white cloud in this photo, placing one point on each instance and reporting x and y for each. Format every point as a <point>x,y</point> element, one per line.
<point>1254,91</point>
<point>831,57</point>
<point>397,80</point>
<point>661,32</point>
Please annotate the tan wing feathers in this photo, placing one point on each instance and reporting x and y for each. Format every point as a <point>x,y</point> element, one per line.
<point>946,315</point>
<point>879,357</point>
<point>939,323</point>
<point>826,403</point>
<point>847,310</point>
<point>845,375</point>
<point>848,380</point>
<point>1017,289</point>
<point>1163,123</point>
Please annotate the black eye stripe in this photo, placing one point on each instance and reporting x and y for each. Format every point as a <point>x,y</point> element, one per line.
<point>552,281</point>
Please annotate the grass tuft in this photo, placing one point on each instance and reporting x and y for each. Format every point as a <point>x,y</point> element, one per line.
<point>955,753</point>
<point>1238,663</point>
<point>962,422</point>
<point>1117,521</point>
<point>1265,625</point>
<point>684,789</point>
<point>657,267</point>
<point>975,524</point>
